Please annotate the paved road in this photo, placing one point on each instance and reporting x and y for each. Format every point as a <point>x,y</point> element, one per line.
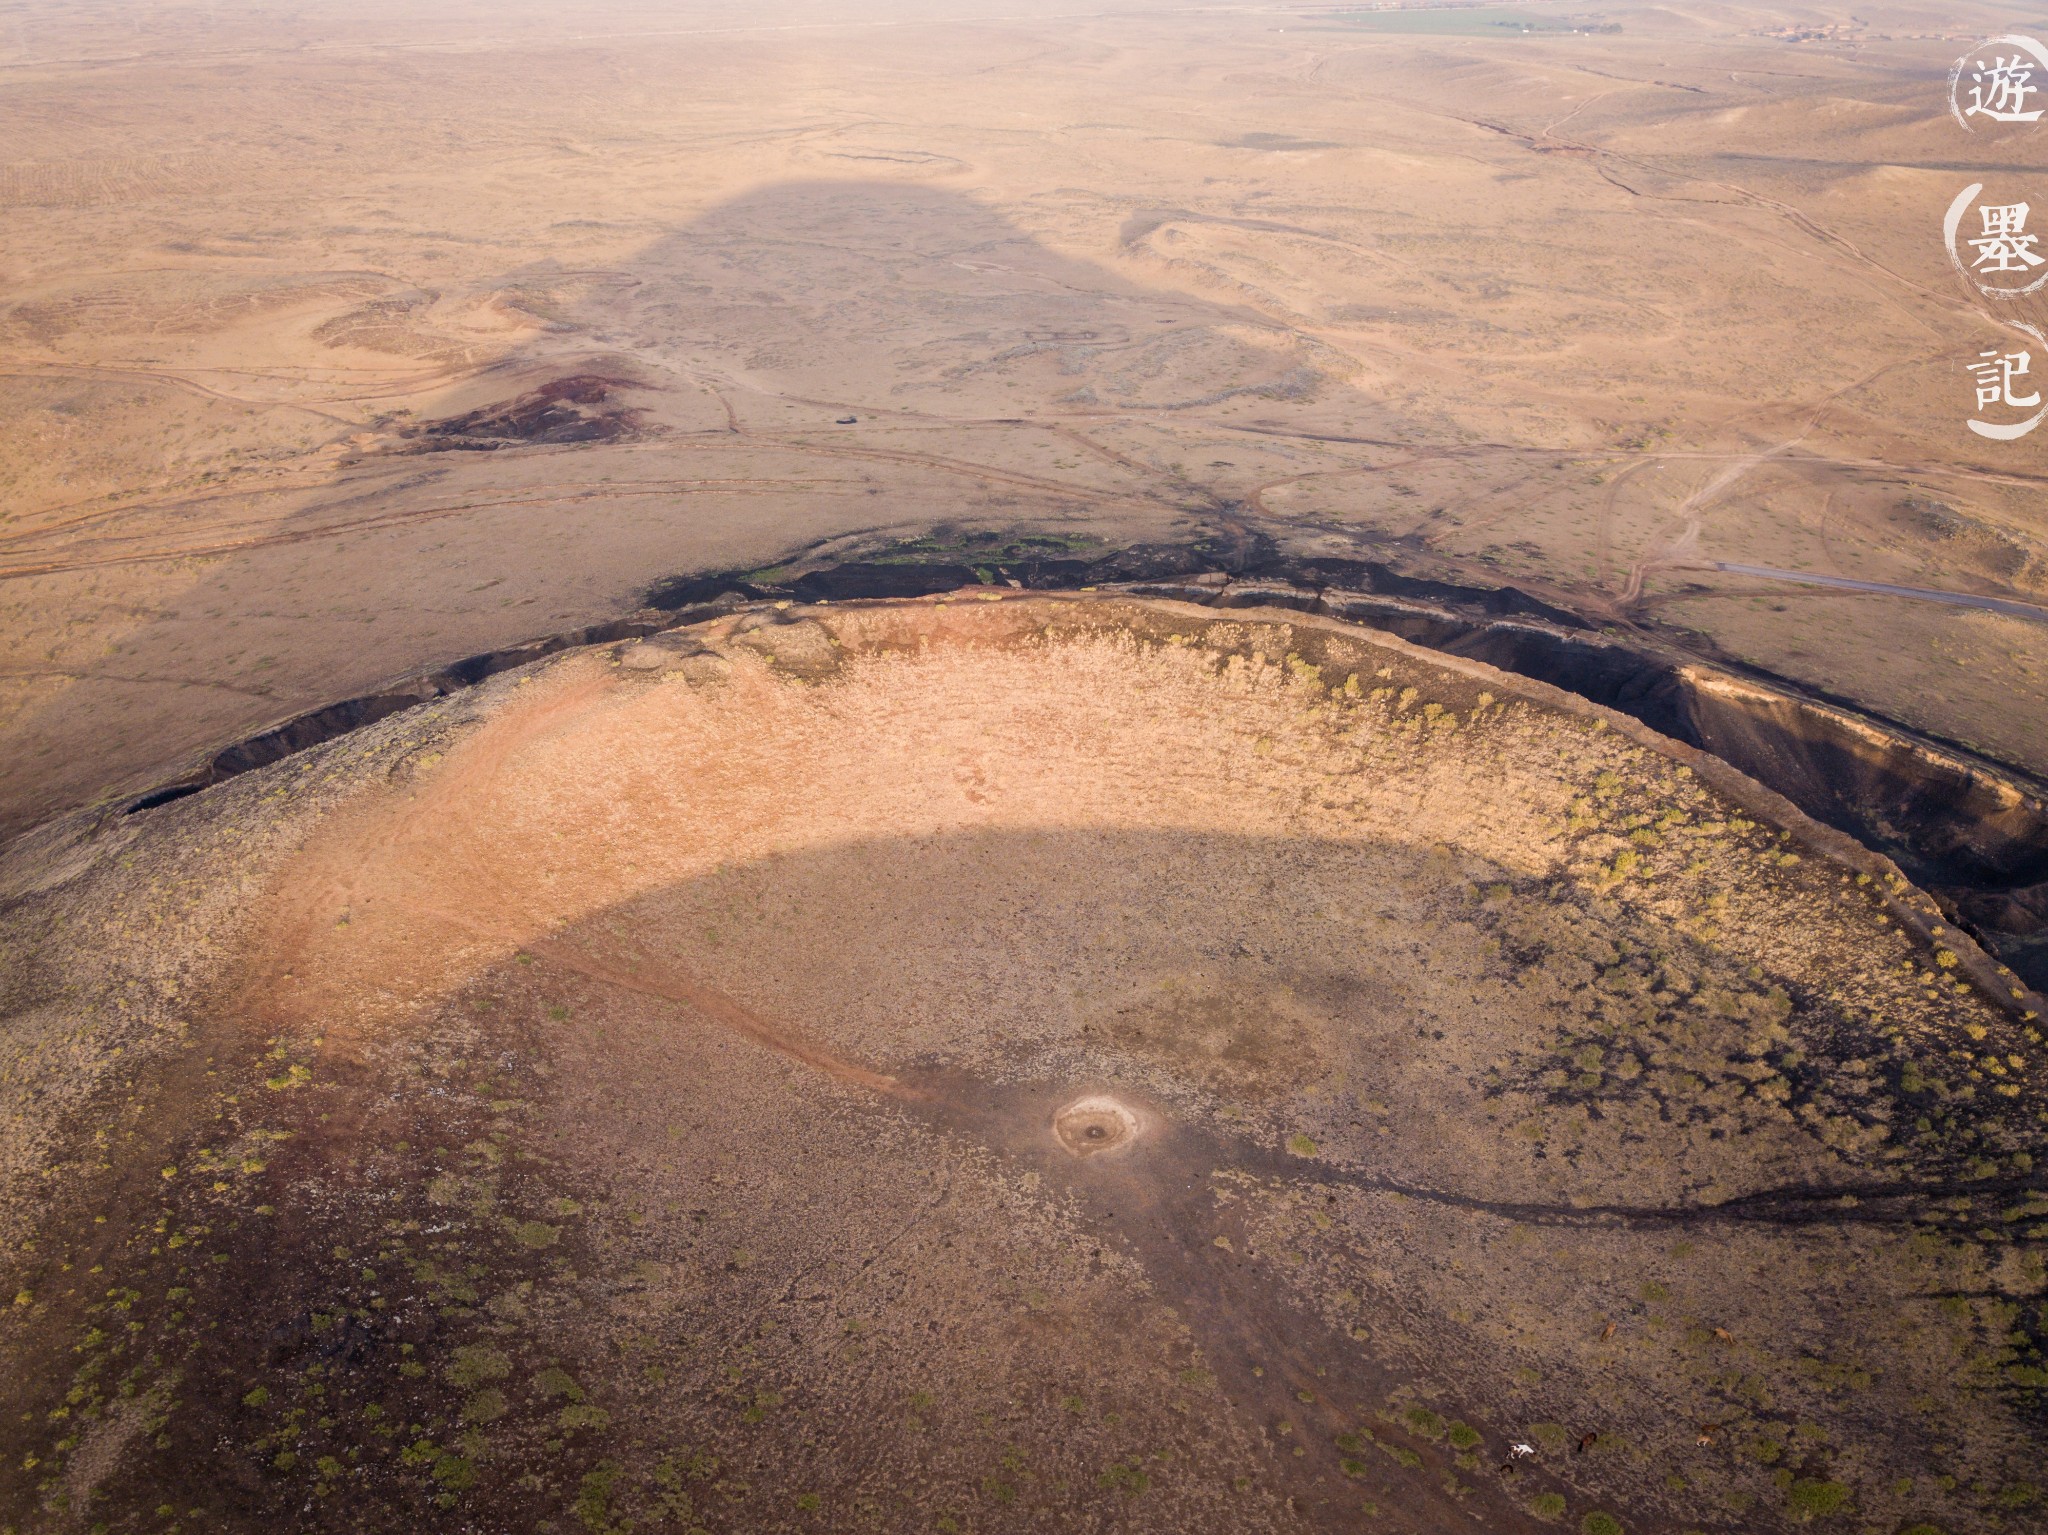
<point>1927,594</point>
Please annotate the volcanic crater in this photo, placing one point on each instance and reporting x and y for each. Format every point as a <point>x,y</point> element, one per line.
<point>1006,1061</point>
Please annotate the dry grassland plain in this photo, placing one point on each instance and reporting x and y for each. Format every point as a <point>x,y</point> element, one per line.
<point>337,342</point>
<point>1026,1063</point>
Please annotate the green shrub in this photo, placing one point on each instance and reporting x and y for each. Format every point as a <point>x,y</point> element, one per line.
<point>1422,1421</point>
<point>593,1504</point>
<point>1129,1480</point>
<point>1547,1505</point>
<point>455,1473</point>
<point>555,1381</point>
<point>1812,1499</point>
<point>486,1406</point>
<point>1597,1523</point>
<point>477,1364</point>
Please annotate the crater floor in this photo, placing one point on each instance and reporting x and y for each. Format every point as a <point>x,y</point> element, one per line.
<point>985,1065</point>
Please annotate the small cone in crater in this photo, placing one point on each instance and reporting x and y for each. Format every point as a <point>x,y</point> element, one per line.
<point>1088,1127</point>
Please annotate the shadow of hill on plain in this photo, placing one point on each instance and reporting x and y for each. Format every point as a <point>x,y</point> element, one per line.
<point>945,304</point>
<point>955,324</point>
<point>969,327</point>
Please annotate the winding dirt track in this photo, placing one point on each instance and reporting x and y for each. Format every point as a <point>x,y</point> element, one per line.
<point>2026,610</point>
